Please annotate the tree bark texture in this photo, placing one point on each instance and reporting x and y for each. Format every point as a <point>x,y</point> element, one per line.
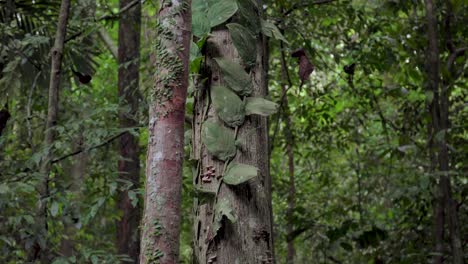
<point>249,239</point>
<point>40,251</point>
<point>162,212</point>
<point>444,208</point>
<point>128,238</point>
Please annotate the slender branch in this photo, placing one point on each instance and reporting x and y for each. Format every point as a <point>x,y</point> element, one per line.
<point>453,56</point>
<point>106,142</point>
<point>108,42</point>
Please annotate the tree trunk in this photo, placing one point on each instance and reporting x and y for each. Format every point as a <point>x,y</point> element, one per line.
<point>248,239</point>
<point>290,153</point>
<point>128,238</point>
<point>162,212</point>
<point>438,130</point>
<point>40,251</point>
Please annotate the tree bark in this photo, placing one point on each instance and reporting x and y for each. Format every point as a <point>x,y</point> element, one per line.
<point>249,239</point>
<point>162,212</point>
<point>40,251</point>
<point>439,110</point>
<point>128,238</point>
<point>290,153</point>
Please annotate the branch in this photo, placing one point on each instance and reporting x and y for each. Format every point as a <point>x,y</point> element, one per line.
<point>108,141</point>
<point>453,56</point>
<point>108,42</point>
<point>306,4</point>
<point>106,17</point>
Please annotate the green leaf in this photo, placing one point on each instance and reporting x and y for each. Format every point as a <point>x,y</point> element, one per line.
<point>228,105</point>
<point>271,30</point>
<point>249,16</point>
<point>221,11</point>
<point>237,173</point>
<point>245,43</point>
<point>218,140</point>
<point>223,209</point>
<point>54,208</point>
<point>235,77</point>
<point>200,24</point>
<point>260,106</point>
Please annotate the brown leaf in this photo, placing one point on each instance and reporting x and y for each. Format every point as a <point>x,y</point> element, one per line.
<point>305,66</point>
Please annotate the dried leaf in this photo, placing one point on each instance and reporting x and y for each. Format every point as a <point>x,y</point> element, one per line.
<point>245,43</point>
<point>218,140</point>
<point>235,77</point>
<point>237,173</point>
<point>305,66</point>
<point>228,105</point>
<point>260,106</point>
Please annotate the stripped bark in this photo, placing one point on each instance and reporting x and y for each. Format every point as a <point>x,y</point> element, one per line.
<point>40,251</point>
<point>162,212</point>
<point>128,238</point>
<point>250,238</point>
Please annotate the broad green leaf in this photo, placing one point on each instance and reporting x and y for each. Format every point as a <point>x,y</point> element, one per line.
<point>228,105</point>
<point>237,173</point>
<point>235,77</point>
<point>245,43</point>
<point>270,30</point>
<point>223,208</point>
<point>218,140</point>
<point>200,24</point>
<point>249,16</point>
<point>221,11</point>
<point>199,6</point>
<point>260,106</point>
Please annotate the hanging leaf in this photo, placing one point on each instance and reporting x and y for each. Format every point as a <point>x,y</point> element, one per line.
<point>245,43</point>
<point>235,77</point>
<point>218,140</point>
<point>271,30</point>
<point>54,208</point>
<point>223,208</point>
<point>260,106</point>
<point>228,105</point>
<point>248,15</point>
<point>305,66</point>
<point>237,173</point>
<point>200,24</point>
<point>221,11</point>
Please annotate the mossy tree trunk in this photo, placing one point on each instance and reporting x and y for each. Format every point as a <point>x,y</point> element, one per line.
<point>162,212</point>
<point>249,238</point>
<point>128,239</point>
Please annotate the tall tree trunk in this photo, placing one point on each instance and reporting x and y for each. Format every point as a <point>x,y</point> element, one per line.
<point>439,110</point>
<point>290,153</point>
<point>128,238</point>
<point>162,212</point>
<point>40,251</point>
<point>248,238</point>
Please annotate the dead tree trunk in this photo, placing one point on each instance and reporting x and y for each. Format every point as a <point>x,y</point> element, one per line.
<point>52,117</point>
<point>235,224</point>
<point>128,239</point>
<point>162,212</point>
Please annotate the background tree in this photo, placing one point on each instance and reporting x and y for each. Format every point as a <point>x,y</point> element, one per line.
<point>128,239</point>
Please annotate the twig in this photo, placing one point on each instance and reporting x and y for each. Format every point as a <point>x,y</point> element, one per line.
<point>108,141</point>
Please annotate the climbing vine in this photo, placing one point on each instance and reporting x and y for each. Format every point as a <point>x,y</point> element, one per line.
<point>233,100</point>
